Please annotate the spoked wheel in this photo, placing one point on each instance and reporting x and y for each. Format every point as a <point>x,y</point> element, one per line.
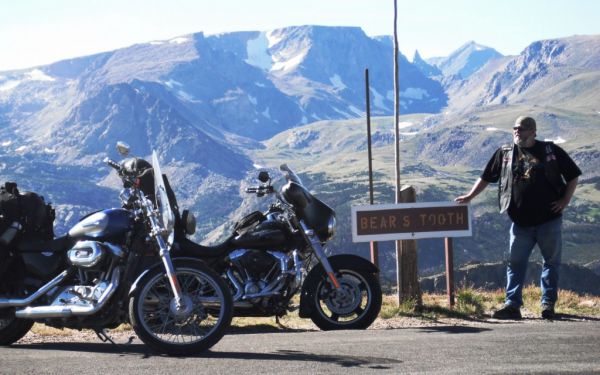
<point>12,329</point>
<point>355,305</point>
<point>195,325</point>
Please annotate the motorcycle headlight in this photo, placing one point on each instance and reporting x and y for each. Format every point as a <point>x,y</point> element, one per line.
<point>331,226</point>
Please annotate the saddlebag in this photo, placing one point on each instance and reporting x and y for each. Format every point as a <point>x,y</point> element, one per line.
<point>29,210</point>
<point>9,214</point>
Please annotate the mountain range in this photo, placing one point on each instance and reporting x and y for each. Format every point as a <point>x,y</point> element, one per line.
<point>216,107</point>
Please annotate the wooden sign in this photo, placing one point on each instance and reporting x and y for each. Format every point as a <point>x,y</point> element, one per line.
<point>407,221</point>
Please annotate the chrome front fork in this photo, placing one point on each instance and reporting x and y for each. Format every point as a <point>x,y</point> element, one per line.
<point>320,253</point>
<point>165,256</point>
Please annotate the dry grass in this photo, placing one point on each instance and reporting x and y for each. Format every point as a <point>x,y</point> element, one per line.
<point>479,304</point>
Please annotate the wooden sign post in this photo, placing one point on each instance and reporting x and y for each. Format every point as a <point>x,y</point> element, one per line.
<point>390,222</point>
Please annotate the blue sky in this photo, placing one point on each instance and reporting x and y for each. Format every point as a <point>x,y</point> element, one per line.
<point>35,32</point>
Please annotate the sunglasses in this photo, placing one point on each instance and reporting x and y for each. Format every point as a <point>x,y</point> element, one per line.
<point>519,129</point>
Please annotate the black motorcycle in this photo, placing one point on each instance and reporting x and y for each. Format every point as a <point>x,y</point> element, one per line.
<point>266,258</point>
<point>113,267</point>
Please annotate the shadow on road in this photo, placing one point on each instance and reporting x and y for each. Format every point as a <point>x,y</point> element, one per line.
<point>294,355</point>
<point>264,328</point>
<point>279,355</point>
<point>575,318</point>
<point>454,329</point>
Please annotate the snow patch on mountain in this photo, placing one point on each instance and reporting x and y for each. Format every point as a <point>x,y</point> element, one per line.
<point>9,85</point>
<point>266,113</point>
<point>185,96</point>
<point>286,62</point>
<point>257,51</point>
<point>492,129</point>
<point>38,75</point>
<point>33,75</point>
<point>557,140</point>
<point>355,110</point>
<point>414,93</point>
<point>273,38</point>
<point>336,81</point>
<point>179,40</point>
<point>171,83</point>
<point>378,99</point>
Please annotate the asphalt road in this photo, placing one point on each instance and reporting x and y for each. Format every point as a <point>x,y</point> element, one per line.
<point>518,347</point>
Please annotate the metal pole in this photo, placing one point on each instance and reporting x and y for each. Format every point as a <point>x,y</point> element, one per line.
<point>374,247</point>
<point>449,270</point>
<point>397,146</point>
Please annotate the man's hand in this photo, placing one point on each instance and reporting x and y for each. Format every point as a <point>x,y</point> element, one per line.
<point>559,205</point>
<point>562,203</point>
<point>463,198</point>
<point>475,190</point>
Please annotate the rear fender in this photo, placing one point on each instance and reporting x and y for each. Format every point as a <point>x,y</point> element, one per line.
<point>342,261</point>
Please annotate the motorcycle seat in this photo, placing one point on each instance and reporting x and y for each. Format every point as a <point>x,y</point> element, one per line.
<point>41,246</point>
<point>190,248</point>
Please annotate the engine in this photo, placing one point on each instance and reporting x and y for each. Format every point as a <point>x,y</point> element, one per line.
<point>254,264</point>
<point>257,273</point>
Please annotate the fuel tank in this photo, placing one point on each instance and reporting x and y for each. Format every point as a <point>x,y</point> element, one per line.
<point>265,235</point>
<point>103,225</point>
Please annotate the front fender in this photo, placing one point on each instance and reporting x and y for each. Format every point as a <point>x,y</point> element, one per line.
<point>160,264</point>
<point>342,261</point>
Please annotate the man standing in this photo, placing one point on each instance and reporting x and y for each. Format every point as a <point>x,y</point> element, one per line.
<point>536,183</point>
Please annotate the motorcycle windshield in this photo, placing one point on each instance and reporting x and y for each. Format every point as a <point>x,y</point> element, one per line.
<point>166,215</point>
<point>289,174</point>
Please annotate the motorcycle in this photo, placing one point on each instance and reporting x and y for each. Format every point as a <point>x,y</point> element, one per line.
<point>272,256</point>
<point>115,266</point>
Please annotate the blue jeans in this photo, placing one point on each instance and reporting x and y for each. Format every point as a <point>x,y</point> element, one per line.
<point>548,236</point>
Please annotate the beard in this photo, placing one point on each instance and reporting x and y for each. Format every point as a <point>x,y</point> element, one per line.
<point>523,141</point>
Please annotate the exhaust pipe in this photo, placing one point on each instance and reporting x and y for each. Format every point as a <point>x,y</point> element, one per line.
<point>69,310</point>
<point>12,302</point>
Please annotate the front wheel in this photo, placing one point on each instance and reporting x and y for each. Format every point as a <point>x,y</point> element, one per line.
<point>199,322</point>
<point>355,305</point>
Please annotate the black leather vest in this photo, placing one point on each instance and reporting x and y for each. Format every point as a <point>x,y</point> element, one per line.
<point>551,170</point>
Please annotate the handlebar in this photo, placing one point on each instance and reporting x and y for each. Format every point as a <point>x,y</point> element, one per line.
<point>260,190</point>
<point>113,164</point>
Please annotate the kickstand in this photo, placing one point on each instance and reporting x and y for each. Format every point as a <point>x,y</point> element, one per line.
<point>278,323</point>
<point>104,337</point>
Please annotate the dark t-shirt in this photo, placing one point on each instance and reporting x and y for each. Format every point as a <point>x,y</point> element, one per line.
<point>532,192</point>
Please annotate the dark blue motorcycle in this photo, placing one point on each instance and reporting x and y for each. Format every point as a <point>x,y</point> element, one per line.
<point>115,266</point>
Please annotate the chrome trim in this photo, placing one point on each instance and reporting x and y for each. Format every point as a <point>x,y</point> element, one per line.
<point>85,254</point>
<point>60,310</point>
<point>239,289</point>
<point>331,225</point>
<point>12,302</point>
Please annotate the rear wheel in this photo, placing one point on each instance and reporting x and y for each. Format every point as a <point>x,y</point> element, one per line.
<point>355,305</point>
<point>13,329</point>
<point>201,320</point>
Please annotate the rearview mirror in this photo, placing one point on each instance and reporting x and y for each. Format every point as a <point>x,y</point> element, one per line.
<point>123,148</point>
<point>264,177</point>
